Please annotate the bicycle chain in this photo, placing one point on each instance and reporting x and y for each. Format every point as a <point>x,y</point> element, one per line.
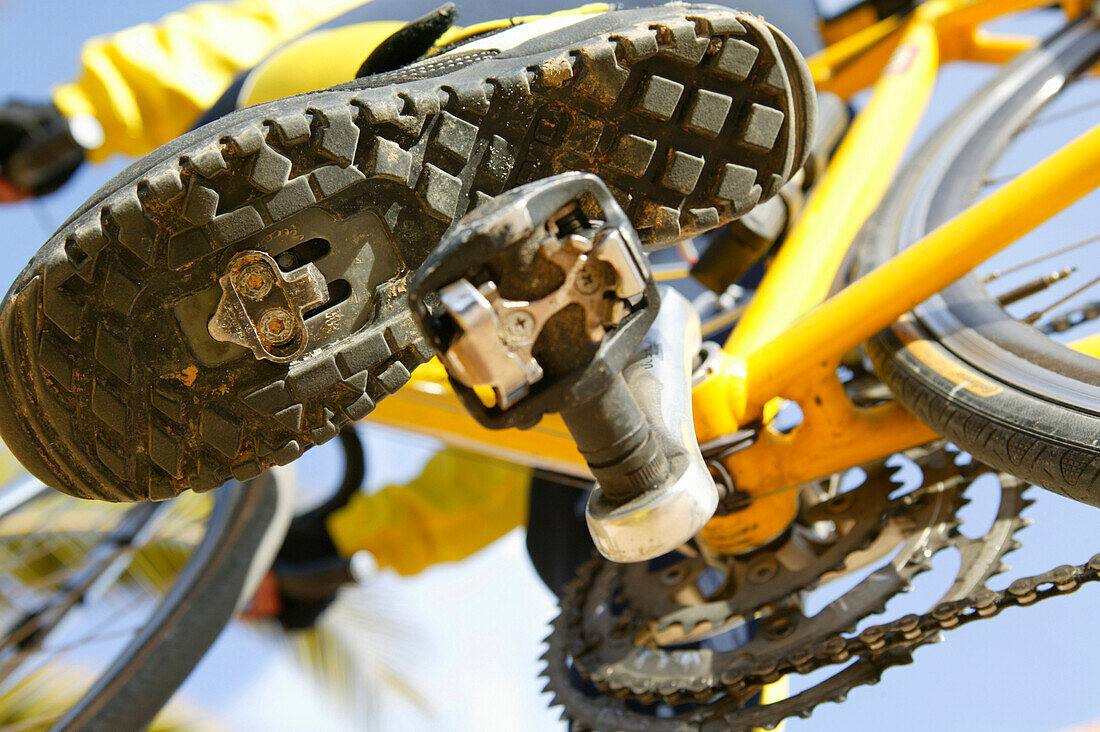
<point>618,668</point>
<point>720,705</point>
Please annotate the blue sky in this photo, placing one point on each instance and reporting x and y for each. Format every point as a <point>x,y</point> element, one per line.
<point>1029,669</point>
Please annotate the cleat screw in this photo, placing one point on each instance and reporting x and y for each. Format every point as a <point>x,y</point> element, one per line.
<point>277,326</point>
<point>589,279</point>
<point>520,325</point>
<point>255,280</point>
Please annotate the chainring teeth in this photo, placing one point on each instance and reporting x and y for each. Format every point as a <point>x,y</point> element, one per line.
<point>581,643</point>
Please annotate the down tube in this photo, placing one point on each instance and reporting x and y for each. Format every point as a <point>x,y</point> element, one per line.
<point>857,178</point>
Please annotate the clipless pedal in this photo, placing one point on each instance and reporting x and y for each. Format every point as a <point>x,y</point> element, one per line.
<point>541,301</point>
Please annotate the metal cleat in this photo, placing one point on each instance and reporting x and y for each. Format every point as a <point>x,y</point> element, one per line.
<point>498,333</point>
<point>261,306</point>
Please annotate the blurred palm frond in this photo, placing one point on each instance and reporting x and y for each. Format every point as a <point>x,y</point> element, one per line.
<point>49,538</point>
<point>46,542</point>
<point>41,699</point>
<point>362,655</point>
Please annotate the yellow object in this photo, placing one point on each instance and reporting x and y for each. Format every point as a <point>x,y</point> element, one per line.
<point>833,432</point>
<point>805,268</point>
<point>147,85</point>
<point>855,62</point>
<point>428,406</point>
<point>847,24</point>
<point>295,68</point>
<point>1089,345</point>
<point>314,61</point>
<point>928,266</point>
<point>834,435</point>
<point>460,503</point>
<point>788,343</point>
<point>780,350</point>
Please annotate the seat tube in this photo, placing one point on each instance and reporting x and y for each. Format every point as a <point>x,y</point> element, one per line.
<point>804,271</point>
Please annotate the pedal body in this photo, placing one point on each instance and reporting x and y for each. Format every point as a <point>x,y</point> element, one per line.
<point>538,302</point>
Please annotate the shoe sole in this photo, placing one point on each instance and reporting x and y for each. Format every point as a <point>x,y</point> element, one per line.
<point>110,385</point>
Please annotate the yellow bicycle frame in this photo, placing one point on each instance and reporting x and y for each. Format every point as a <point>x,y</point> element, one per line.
<point>793,335</point>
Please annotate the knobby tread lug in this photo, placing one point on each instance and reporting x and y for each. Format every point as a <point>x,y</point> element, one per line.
<point>675,114</point>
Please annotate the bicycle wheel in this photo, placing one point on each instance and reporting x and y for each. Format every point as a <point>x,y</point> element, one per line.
<point>964,361</point>
<point>105,609</point>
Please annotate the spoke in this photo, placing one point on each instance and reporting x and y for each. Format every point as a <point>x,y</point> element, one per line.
<point>723,320</point>
<point>54,543</point>
<point>1042,257</point>
<point>41,656</point>
<point>41,541</point>
<point>143,534</point>
<point>100,635</point>
<point>76,543</point>
<point>1034,287</point>
<point>100,632</point>
<point>91,562</point>
<point>18,595</point>
<point>1031,319</point>
<point>20,494</point>
<point>101,563</point>
<point>1063,115</point>
<point>1073,318</point>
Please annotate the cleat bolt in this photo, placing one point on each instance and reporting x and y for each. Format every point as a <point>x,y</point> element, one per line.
<point>255,280</point>
<point>277,326</point>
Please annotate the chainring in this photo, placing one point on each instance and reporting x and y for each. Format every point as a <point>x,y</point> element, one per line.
<point>683,642</point>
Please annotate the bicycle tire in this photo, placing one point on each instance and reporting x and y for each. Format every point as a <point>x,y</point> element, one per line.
<point>1000,389</point>
<point>235,543</point>
<point>242,536</point>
